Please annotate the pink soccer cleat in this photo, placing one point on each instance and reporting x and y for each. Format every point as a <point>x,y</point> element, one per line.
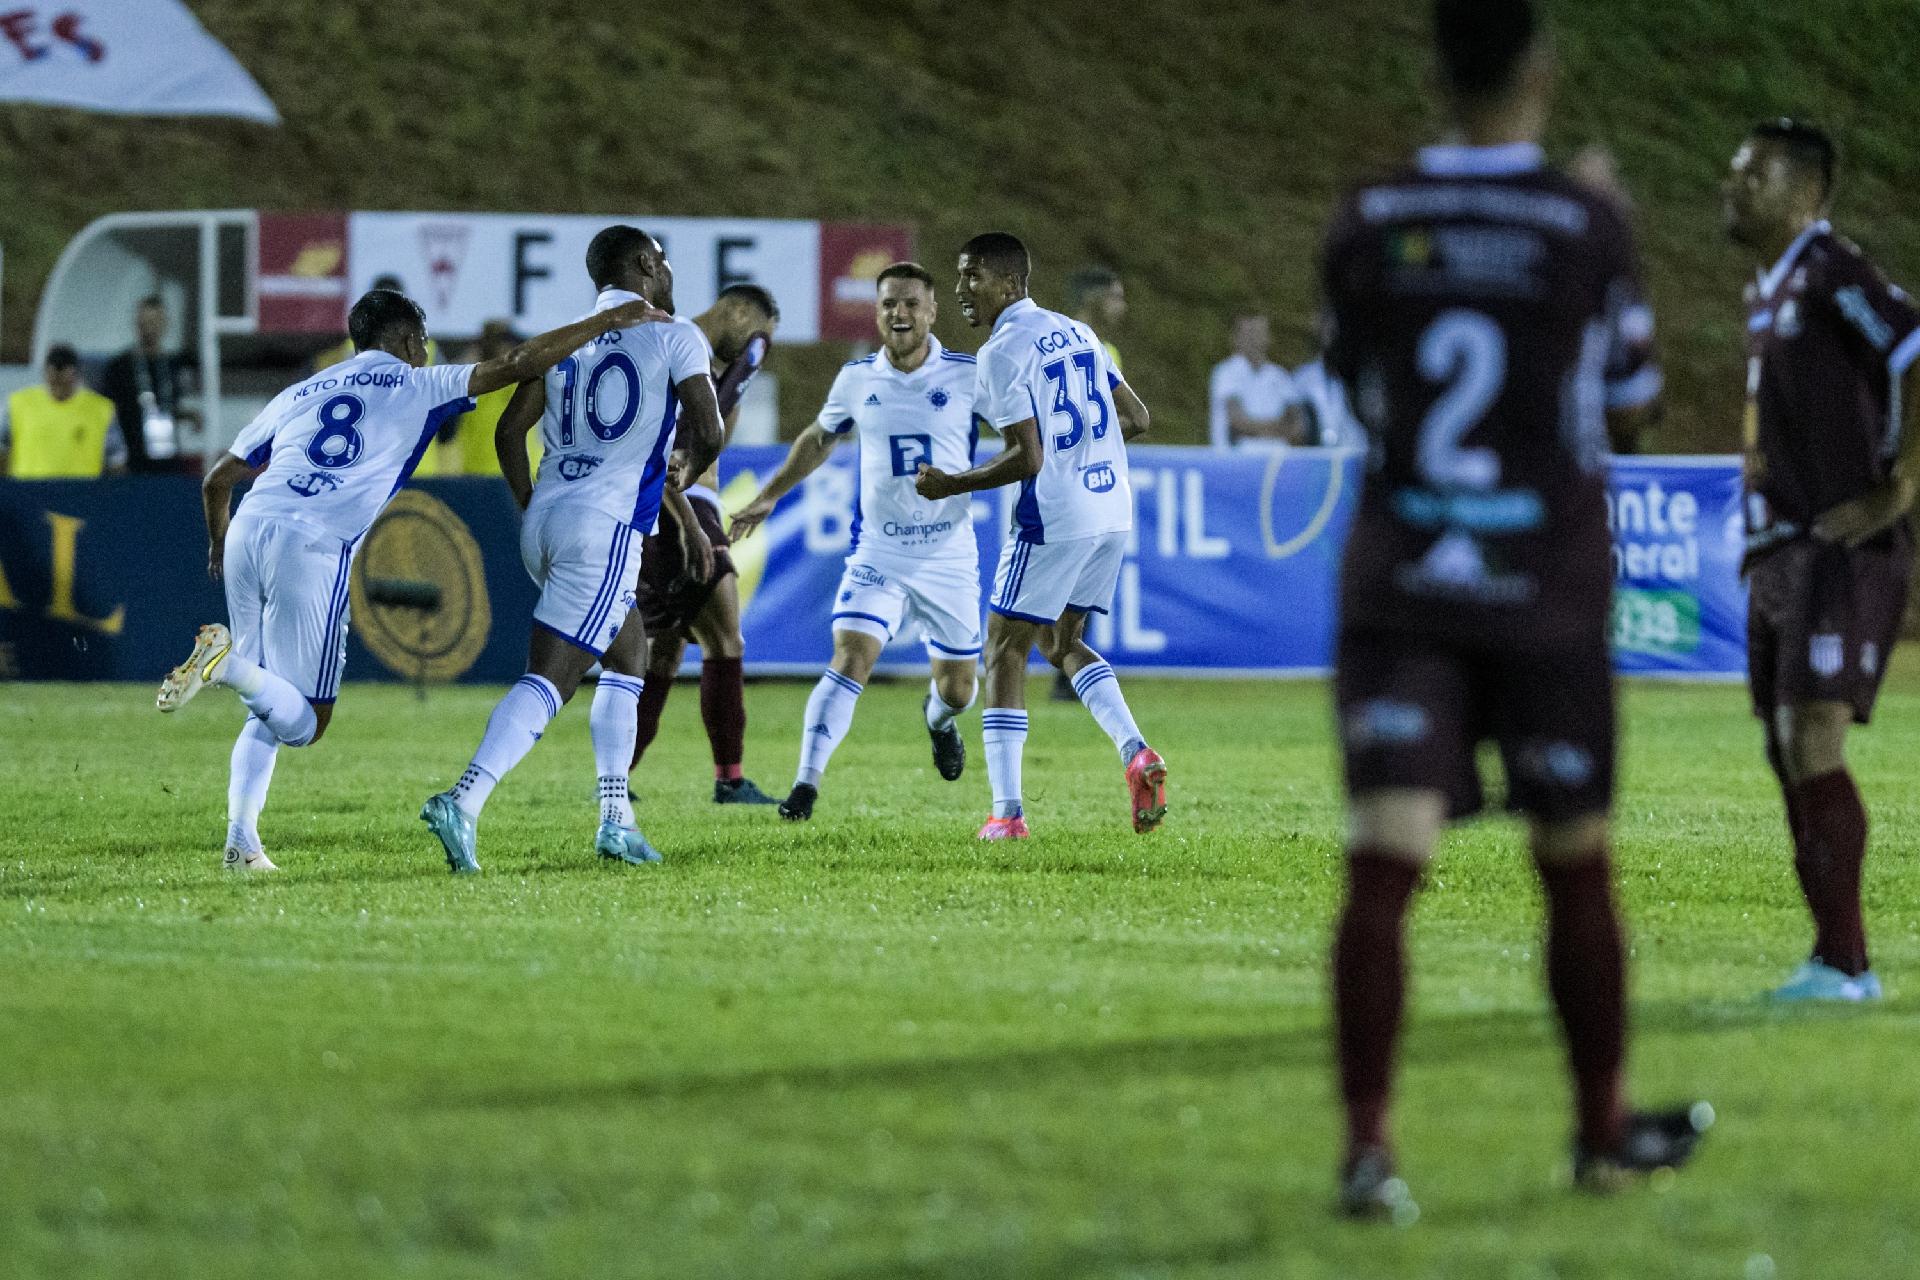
<point>1147,788</point>
<point>1014,828</point>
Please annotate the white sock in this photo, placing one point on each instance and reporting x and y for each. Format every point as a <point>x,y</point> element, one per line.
<point>829,716</point>
<point>939,714</point>
<point>614,722</point>
<point>515,725</point>
<point>1099,691</point>
<point>1004,731</point>
<point>251,770</point>
<point>284,708</point>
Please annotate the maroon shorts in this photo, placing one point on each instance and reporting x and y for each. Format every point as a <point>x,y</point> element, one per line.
<point>670,593</point>
<point>1414,711</point>
<point>1822,621</point>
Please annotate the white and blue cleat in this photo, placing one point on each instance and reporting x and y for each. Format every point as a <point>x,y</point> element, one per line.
<point>454,829</point>
<point>1815,981</point>
<point>616,843</point>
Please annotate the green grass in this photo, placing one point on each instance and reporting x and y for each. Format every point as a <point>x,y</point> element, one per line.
<point>870,1047</point>
<point>1195,148</point>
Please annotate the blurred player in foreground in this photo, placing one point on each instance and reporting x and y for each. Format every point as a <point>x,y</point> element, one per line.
<point>1061,559</point>
<point>689,588</point>
<point>912,560</point>
<point>335,447</point>
<point>609,414</point>
<point>1486,312</point>
<point>1833,465</point>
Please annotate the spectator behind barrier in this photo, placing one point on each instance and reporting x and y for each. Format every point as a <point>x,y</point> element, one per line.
<point>61,430</point>
<point>149,387</point>
<point>1097,298</point>
<point>466,445</point>
<point>1250,398</point>
<point>1322,400</point>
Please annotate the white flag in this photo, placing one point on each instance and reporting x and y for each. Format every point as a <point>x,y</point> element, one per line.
<point>136,57</point>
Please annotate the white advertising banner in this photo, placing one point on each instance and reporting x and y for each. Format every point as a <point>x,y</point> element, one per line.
<point>136,57</point>
<point>530,269</point>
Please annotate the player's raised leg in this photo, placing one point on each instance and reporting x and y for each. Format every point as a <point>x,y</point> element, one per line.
<point>1099,691</point>
<point>951,690</point>
<point>1003,724</point>
<point>829,713</point>
<point>613,725</point>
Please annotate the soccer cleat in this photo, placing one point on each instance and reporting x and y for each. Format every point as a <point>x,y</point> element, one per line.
<point>455,831</point>
<point>616,843</point>
<point>1818,981</point>
<point>949,750</point>
<point>1147,788</point>
<point>1654,1140</point>
<point>739,791</point>
<point>1369,1188</point>
<point>798,806</point>
<point>210,649</point>
<point>238,859</point>
<point>1014,828</point>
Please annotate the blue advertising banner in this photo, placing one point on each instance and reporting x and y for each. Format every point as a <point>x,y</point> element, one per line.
<point>1231,569</point>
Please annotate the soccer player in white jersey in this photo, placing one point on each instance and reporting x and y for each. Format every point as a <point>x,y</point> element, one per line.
<point>909,403</point>
<point>335,447</point>
<point>609,415</point>
<point>1047,384</point>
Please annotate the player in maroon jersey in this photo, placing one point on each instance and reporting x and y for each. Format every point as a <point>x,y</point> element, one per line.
<point>1833,466</point>
<point>1486,313</point>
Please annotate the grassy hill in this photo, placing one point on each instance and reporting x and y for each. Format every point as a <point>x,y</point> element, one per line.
<point>1195,149</point>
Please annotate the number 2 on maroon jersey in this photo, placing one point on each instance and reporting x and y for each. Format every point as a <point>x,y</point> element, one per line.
<point>1467,352</point>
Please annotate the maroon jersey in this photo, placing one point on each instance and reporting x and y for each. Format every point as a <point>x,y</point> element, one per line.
<point>1486,313</point>
<point>1828,340</point>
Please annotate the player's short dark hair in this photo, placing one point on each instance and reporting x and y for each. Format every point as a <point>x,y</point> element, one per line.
<point>905,271</point>
<point>378,313</point>
<point>1482,43</point>
<point>1808,148</point>
<point>151,300</point>
<point>755,296</point>
<point>1000,252</point>
<point>609,248</point>
<point>1086,282</point>
<point>388,280</point>
<point>61,355</point>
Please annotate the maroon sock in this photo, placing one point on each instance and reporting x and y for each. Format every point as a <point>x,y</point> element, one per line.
<point>653,700</point>
<point>723,705</point>
<point>1369,987</point>
<point>1833,845</point>
<point>1586,972</point>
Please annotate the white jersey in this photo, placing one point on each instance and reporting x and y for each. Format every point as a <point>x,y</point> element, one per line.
<point>338,445</point>
<point>1042,365</point>
<point>611,409</point>
<point>900,420</point>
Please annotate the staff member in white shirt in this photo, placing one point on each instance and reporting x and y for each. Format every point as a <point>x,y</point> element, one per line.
<point>1249,397</point>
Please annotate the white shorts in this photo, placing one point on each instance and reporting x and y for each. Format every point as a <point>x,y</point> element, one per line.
<point>287,601</point>
<point>942,596</point>
<point>585,563</point>
<point>1040,581</point>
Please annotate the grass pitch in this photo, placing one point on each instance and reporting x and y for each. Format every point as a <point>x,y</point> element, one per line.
<point>870,1047</point>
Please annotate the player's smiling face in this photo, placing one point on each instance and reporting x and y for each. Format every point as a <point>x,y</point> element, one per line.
<point>905,313</point>
<point>982,292</point>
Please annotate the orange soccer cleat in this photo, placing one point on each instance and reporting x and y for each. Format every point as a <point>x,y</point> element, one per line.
<point>1147,788</point>
<point>1014,828</point>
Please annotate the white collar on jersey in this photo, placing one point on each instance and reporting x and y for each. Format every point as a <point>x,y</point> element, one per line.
<point>1454,160</point>
<point>610,298</point>
<point>1013,309</point>
<point>1770,280</point>
<point>885,361</point>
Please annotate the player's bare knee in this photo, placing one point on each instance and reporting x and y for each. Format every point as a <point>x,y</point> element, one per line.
<point>322,717</point>
<point>1570,840</point>
<point>1402,823</point>
<point>854,654</point>
<point>1814,738</point>
<point>956,685</point>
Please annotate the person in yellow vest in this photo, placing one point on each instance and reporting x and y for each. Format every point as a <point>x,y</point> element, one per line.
<point>466,447</point>
<point>61,430</point>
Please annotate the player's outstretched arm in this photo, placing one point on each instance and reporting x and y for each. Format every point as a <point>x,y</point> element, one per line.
<point>216,499</point>
<point>809,450</point>
<point>510,437</point>
<point>537,355</point>
<point>1134,418</point>
<point>1019,460</point>
<point>700,431</point>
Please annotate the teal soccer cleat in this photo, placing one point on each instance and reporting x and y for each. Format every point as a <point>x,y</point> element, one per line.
<point>1817,981</point>
<point>616,843</point>
<point>455,831</point>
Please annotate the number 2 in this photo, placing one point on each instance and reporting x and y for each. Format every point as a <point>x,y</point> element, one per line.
<point>1467,352</point>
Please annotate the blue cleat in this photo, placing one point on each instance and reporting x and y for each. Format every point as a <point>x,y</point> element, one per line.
<point>1818,981</point>
<point>616,843</point>
<point>455,831</point>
